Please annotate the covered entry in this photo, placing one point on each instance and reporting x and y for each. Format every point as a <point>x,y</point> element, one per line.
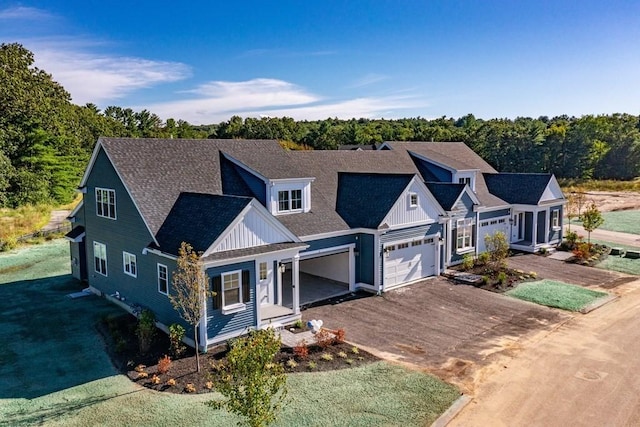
<point>409,260</point>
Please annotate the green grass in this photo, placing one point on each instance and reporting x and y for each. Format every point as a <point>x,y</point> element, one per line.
<point>555,294</point>
<point>54,370</point>
<point>616,263</point>
<point>623,221</point>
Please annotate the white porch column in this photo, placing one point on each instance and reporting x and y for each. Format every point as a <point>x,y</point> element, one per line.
<point>352,269</point>
<point>546,225</point>
<point>295,280</point>
<point>534,229</point>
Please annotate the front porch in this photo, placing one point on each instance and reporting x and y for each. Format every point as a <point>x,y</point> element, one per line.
<point>535,227</point>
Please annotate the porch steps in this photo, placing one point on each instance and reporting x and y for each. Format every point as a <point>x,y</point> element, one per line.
<point>462,277</point>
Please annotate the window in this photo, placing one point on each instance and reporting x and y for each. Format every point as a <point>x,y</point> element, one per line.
<point>129,264</point>
<point>464,239</point>
<point>416,243</point>
<point>231,290</point>
<point>263,270</point>
<point>289,200</point>
<point>413,200</point>
<point>555,219</point>
<point>465,181</point>
<point>100,258</point>
<point>163,279</point>
<point>403,245</point>
<point>106,203</point>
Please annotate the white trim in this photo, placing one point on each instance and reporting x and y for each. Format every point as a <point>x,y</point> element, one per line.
<point>226,261</point>
<point>75,210</point>
<point>430,198</point>
<point>312,237</point>
<point>289,201</point>
<point>166,269</point>
<point>106,270</point>
<point>326,251</point>
<point>159,253</point>
<point>413,204</point>
<point>235,307</point>
<point>128,255</point>
<point>92,161</point>
<point>108,203</point>
<point>471,194</point>
<point>467,223</point>
<point>77,239</point>
<point>288,180</point>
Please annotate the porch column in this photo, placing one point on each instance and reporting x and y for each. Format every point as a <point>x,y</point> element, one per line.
<point>352,270</point>
<point>295,281</point>
<point>534,229</point>
<point>546,225</point>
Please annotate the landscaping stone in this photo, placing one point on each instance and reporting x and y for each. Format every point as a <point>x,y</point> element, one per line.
<point>632,254</point>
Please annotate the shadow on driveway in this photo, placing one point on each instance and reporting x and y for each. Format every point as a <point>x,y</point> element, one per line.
<point>49,341</point>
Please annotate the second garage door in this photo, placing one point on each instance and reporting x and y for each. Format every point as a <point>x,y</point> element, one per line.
<point>407,261</point>
<point>489,227</point>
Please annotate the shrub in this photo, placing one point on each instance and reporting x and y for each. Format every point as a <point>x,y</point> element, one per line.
<point>301,350</point>
<point>583,251</point>
<point>342,355</point>
<point>326,356</point>
<point>142,375</point>
<point>140,368</point>
<point>292,364</point>
<point>208,385</point>
<point>349,361</point>
<point>176,334</point>
<point>502,277</point>
<point>299,324</point>
<point>171,382</point>
<point>312,365</point>
<point>164,363</point>
<point>498,248</point>
<point>8,243</point>
<point>146,330</point>
<point>324,338</point>
<point>467,262</point>
<point>190,388</point>
<point>483,258</point>
<point>155,379</point>
<point>339,335</point>
<point>485,280</point>
<point>355,350</point>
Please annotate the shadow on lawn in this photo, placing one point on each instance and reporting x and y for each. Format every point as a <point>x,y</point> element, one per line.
<point>40,416</point>
<point>49,341</point>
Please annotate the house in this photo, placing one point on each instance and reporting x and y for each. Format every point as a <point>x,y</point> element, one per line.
<point>280,229</point>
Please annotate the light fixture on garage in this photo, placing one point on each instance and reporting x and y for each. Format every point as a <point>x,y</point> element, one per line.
<point>283,267</point>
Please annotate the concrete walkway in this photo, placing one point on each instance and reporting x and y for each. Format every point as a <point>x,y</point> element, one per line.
<point>627,239</point>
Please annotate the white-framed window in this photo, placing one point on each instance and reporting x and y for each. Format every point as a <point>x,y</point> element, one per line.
<point>106,203</point>
<point>100,258</point>
<point>289,200</point>
<point>163,279</point>
<point>464,234</point>
<point>232,290</point>
<point>413,200</point>
<point>555,219</point>
<point>466,180</point>
<point>129,264</point>
<point>262,270</point>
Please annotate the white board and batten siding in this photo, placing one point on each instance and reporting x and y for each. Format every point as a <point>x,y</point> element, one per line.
<point>403,214</point>
<point>253,230</point>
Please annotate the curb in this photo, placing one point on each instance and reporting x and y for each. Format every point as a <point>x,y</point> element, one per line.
<point>598,303</point>
<point>453,410</point>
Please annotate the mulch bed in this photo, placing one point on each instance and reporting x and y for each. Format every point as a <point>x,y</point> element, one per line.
<point>119,336</point>
<point>513,277</point>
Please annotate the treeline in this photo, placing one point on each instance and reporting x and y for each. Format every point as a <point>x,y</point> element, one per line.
<point>46,141</point>
<point>600,147</point>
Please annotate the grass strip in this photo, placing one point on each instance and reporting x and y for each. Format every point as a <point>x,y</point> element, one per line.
<point>555,294</point>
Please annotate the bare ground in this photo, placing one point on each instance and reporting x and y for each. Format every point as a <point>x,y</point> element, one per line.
<point>609,201</point>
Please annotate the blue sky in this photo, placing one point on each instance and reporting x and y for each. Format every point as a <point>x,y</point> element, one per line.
<point>204,61</point>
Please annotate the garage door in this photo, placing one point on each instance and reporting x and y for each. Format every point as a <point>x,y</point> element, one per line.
<point>489,227</point>
<point>407,261</point>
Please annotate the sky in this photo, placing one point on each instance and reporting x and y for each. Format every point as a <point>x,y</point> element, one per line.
<point>205,61</point>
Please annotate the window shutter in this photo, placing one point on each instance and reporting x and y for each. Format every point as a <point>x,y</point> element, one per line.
<point>246,284</point>
<point>217,289</point>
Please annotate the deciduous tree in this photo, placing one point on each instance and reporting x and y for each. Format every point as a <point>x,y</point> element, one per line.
<point>591,219</point>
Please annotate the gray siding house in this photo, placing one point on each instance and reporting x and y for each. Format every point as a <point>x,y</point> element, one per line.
<point>281,229</point>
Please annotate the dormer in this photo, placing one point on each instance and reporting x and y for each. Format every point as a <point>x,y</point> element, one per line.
<point>465,177</point>
<point>289,195</point>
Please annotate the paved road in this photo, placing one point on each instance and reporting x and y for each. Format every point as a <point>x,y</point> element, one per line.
<point>609,236</point>
<point>585,373</point>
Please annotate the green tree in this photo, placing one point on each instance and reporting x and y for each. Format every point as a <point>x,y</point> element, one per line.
<point>498,249</point>
<point>189,293</point>
<point>253,384</point>
<point>591,219</point>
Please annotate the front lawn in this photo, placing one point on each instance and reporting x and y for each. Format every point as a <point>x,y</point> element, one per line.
<point>54,370</point>
<point>622,221</point>
<point>555,294</point>
<point>620,264</point>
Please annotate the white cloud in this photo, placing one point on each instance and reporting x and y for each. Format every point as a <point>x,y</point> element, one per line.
<point>220,100</point>
<point>369,79</point>
<point>24,13</point>
<point>91,77</point>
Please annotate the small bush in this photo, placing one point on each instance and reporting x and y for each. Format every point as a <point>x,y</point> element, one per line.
<point>301,350</point>
<point>349,361</point>
<point>468,262</point>
<point>208,385</point>
<point>484,258</point>
<point>292,364</point>
<point>324,338</point>
<point>342,355</point>
<point>142,375</point>
<point>146,330</point>
<point>533,274</point>
<point>140,368</point>
<point>299,324</point>
<point>502,277</point>
<point>164,363</point>
<point>583,251</point>
<point>155,379</point>
<point>340,335</point>
<point>485,280</point>
<point>171,382</point>
<point>355,350</point>
<point>312,365</point>
<point>190,388</point>
<point>326,356</point>
<point>176,346</point>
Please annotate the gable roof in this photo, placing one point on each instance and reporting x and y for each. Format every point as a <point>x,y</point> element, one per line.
<point>198,219</point>
<point>452,155</point>
<point>364,199</point>
<point>447,194</point>
<point>518,188</point>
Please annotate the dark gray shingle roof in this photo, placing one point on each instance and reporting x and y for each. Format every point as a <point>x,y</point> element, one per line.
<point>364,199</point>
<point>445,193</point>
<point>198,219</point>
<point>519,188</point>
<point>256,250</point>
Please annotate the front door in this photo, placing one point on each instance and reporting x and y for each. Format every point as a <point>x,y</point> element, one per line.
<point>517,227</point>
<point>265,281</point>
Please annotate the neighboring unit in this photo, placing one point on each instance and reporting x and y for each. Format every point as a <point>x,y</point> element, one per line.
<point>281,229</point>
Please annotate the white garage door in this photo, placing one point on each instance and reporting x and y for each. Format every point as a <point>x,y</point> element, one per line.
<point>407,261</point>
<point>489,227</point>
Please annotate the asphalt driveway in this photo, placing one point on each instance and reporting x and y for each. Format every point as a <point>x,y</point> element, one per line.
<point>450,329</point>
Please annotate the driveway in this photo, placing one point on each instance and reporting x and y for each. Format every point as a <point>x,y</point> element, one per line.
<point>451,330</point>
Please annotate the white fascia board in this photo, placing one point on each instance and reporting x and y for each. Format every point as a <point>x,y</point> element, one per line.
<point>291,180</point>
<point>245,167</point>
<point>87,172</point>
<point>339,233</point>
<point>493,208</point>
<point>284,253</point>
<point>159,253</point>
<point>471,194</point>
<point>227,230</point>
<point>404,192</point>
<point>76,209</point>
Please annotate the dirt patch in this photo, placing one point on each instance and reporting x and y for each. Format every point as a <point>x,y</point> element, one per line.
<point>182,377</point>
<point>609,201</point>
